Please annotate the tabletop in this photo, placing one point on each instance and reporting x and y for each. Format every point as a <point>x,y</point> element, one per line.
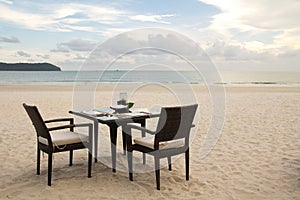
<point>108,115</point>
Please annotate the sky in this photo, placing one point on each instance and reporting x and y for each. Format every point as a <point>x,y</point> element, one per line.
<point>235,34</point>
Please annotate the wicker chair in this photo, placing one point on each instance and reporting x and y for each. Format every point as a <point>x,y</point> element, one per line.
<point>170,138</point>
<point>51,142</point>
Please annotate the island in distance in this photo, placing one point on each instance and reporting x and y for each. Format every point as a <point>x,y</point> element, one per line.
<point>28,67</point>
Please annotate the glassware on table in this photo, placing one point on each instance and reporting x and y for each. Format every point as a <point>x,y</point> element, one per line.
<point>122,98</point>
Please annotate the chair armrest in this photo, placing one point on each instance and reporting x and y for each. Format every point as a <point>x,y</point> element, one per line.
<point>84,125</point>
<point>131,126</point>
<point>71,120</point>
<point>70,126</point>
<point>61,127</point>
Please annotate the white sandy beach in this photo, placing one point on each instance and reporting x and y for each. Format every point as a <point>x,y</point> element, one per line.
<point>256,157</point>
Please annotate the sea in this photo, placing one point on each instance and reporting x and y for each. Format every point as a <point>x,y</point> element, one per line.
<point>225,77</point>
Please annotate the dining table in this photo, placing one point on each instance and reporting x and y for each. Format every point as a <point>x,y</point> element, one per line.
<point>113,120</point>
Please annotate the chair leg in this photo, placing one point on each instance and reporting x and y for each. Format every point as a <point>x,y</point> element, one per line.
<point>71,158</point>
<point>144,135</point>
<point>169,163</point>
<point>157,172</point>
<point>187,163</point>
<point>49,168</point>
<point>38,162</point>
<point>129,158</point>
<point>90,158</point>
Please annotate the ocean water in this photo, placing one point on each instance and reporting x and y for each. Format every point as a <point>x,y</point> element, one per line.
<point>227,77</point>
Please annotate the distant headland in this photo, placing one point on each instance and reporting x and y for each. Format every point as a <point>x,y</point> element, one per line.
<point>28,67</point>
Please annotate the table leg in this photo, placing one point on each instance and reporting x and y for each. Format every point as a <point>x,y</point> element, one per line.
<point>124,141</point>
<point>113,128</point>
<point>96,140</point>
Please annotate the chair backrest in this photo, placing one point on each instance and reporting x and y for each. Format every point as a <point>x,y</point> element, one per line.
<point>175,123</point>
<point>38,122</point>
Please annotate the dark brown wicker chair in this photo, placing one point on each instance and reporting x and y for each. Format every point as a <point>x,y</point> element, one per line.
<point>170,138</point>
<point>52,142</point>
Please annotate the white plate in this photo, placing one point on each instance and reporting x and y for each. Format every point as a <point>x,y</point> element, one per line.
<point>118,107</point>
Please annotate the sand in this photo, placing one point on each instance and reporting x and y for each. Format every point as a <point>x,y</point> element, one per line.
<point>256,157</point>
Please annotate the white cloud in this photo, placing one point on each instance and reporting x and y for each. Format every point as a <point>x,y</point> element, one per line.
<point>110,32</point>
<point>7,1</point>
<point>152,18</point>
<point>251,56</point>
<point>12,39</point>
<point>23,54</point>
<point>74,13</point>
<point>61,17</point>
<point>80,57</point>
<point>146,46</point>
<point>290,38</point>
<point>221,50</point>
<point>45,56</point>
<point>255,46</point>
<point>257,16</point>
<point>29,20</point>
<point>75,45</point>
<point>60,48</point>
<point>161,41</point>
<point>265,14</point>
<point>254,35</point>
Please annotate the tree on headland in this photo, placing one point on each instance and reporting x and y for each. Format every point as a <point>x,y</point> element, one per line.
<point>28,67</point>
